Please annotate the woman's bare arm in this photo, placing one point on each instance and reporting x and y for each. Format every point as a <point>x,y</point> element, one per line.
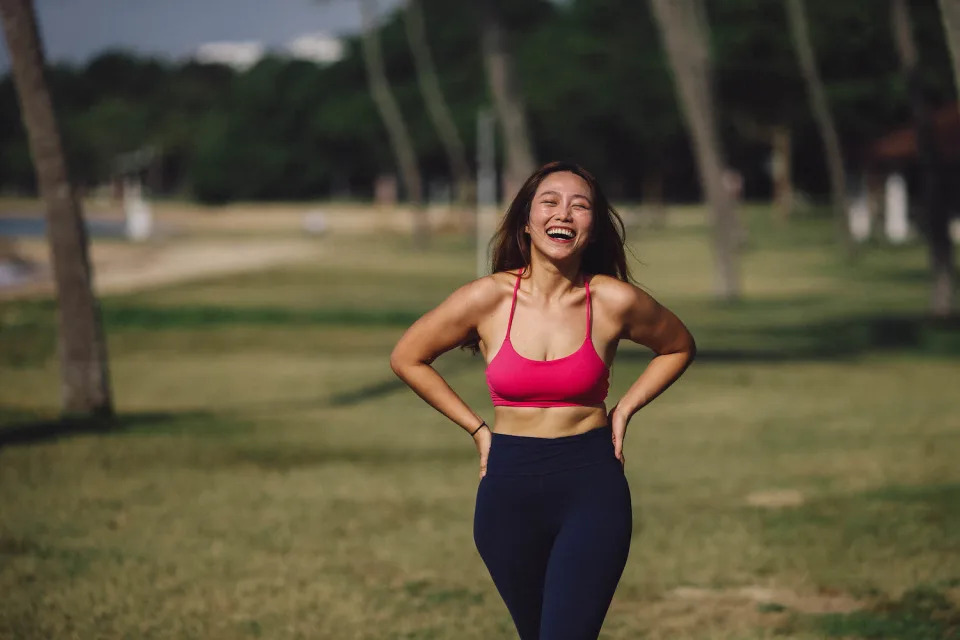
<point>436,332</point>
<point>647,322</point>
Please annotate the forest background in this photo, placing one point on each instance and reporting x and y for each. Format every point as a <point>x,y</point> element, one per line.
<point>594,77</point>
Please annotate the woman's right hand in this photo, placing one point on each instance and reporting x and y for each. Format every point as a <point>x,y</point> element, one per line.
<point>483,439</point>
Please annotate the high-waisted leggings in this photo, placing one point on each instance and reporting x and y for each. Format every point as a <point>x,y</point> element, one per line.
<point>552,523</point>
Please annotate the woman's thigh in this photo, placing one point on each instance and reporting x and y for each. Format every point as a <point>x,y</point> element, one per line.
<point>588,555</point>
<point>509,532</point>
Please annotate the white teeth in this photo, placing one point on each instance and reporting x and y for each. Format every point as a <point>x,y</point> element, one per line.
<point>560,231</point>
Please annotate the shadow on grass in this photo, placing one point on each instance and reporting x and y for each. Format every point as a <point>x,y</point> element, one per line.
<point>834,339</point>
<point>285,458</point>
<point>199,316</point>
<point>390,385</point>
<point>754,330</point>
<point>922,613</point>
<point>898,524</point>
<point>820,339</point>
<point>26,431</point>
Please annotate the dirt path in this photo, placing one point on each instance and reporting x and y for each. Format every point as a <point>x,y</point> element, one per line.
<point>125,267</point>
<point>196,242</point>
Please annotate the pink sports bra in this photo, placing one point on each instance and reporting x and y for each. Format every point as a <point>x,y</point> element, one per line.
<point>579,379</point>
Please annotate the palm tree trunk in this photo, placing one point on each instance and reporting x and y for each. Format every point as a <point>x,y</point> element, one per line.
<point>507,98</point>
<point>833,155</point>
<point>782,174</point>
<point>950,15</point>
<point>936,219</point>
<point>684,31</point>
<point>84,375</point>
<point>400,142</point>
<point>437,107</point>
<point>651,190</point>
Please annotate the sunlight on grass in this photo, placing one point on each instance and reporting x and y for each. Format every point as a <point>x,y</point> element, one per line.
<point>269,476</point>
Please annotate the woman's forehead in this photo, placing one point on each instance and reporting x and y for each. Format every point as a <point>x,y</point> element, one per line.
<point>565,183</point>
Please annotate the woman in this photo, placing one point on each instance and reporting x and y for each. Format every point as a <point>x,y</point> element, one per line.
<point>553,515</point>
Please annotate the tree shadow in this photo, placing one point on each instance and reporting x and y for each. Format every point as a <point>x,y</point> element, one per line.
<point>27,432</point>
<point>144,317</point>
<point>833,339</point>
<point>386,387</point>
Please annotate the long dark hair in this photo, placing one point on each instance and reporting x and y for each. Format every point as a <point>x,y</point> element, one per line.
<point>605,252</point>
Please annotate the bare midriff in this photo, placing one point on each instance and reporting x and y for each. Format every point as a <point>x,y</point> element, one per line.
<point>548,422</point>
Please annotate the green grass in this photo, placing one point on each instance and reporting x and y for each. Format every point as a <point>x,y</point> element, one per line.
<point>269,477</point>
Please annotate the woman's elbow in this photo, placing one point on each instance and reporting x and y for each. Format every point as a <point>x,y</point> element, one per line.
<point>402,362</point>
<point>691,348</point>
<point>398,363</point>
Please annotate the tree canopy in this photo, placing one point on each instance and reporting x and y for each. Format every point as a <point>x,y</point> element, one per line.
<point>594,76</point>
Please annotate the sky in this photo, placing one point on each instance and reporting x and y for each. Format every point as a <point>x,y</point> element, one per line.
<point>76,30</point>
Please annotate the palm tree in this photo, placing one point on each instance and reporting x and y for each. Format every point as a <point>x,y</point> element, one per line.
<point>936,218</point>
<point>950,15</point>
<point>436,104</point>
<point>400,141</point>
<point>84,375</point>
<point>507,97</point>
<point>684,30</point>
<point>833,155</point>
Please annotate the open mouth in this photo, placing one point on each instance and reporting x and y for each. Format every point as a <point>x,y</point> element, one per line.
<point>561,234</point>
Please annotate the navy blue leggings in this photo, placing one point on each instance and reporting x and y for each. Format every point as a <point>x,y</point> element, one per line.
<point>552,523</point>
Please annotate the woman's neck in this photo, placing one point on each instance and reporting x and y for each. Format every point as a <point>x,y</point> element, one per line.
<point>550,280</point>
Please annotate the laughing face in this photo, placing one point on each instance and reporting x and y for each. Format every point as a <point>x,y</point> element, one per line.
<point>561,215</point>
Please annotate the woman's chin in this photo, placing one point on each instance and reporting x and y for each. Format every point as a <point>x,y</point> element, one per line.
<point>561,253</point>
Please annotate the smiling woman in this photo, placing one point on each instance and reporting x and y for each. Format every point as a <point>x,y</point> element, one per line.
<point>553,517</point>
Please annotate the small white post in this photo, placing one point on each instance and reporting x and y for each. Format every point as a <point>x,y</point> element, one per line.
<point>139,217</point>
<point>896,202</point>
<point>859,217</point>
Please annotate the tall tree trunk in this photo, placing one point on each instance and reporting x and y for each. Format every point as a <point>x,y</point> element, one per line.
<point>781,171</point>
<point>950,15</point>
<point>507,98</point>
<point>652,206</point>
<point>436,104</point>
<point>84,375</point>
<point>684,30</point>
<point>936,220</point>
<point>400,142</point>
<point>833,155</point>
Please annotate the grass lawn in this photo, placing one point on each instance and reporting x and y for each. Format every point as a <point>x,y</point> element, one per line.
<point>269,477</point>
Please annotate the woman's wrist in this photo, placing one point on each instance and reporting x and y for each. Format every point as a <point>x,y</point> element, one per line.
<point>482,425</point>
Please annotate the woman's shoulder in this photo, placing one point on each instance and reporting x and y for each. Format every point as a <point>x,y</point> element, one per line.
<point>617,294</point>
<point>489,290</point>
<point>611,288</point>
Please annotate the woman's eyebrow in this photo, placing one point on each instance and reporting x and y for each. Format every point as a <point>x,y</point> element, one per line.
<point>557,194</point>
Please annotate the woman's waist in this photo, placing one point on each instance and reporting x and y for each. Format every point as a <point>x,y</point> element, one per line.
<point>548,422</point>
<point>529,455</point>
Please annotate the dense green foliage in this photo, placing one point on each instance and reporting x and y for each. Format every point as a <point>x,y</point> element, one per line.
<point>594,77</point>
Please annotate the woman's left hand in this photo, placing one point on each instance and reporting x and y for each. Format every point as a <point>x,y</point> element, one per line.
<point>618,425</point>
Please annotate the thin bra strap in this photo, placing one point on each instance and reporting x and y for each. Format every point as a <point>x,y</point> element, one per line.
<point>586,284</point>
<point>513,304</point>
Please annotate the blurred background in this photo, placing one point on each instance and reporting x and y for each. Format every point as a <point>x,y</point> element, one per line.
<point>216,219</point>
